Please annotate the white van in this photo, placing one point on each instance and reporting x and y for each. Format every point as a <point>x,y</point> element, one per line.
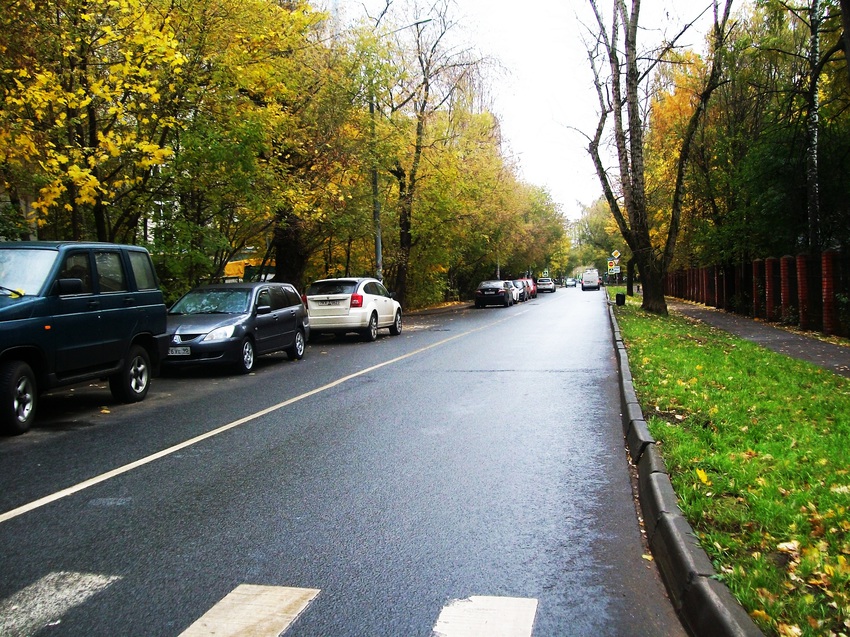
<point>590,280</point>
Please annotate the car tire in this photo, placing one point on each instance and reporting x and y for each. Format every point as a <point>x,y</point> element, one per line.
<point>131,384</point>
<point>395,328</point>
<point>18,397</point>
<point>371,332</point>
<point>247,356</point>
<point>296,351</point>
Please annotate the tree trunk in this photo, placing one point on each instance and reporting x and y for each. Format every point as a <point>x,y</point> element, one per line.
<point>845,36</point>
<point>652,282</point>
<point>812,117</point>
<point>290,250</point>
<point>405,235</point>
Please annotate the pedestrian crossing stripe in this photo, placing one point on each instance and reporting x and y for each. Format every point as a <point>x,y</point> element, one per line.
<point>258,611</point>
<point>487,617</point>
<point>47,600</point>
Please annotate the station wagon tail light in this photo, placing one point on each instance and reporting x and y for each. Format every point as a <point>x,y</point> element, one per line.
<point>304,299</point>
<point>356,300</point>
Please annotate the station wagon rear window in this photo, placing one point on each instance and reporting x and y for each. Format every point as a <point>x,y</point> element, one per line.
<point>332,287</point>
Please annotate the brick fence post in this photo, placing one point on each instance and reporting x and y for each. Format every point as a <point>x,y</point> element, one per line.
<point>828,287</point>
<point>786,285</point>
<point>770,291</point>
<point>803,290</point>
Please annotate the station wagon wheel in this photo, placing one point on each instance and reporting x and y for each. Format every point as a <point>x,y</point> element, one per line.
<point>246,356</point>
<point>395,328</point>
<point>18,397</point>
<point>371,332</point>
<point>131,384</point>
<point>296,351</point>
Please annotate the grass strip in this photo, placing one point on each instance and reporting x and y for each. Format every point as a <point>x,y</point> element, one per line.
<point>758,449</point>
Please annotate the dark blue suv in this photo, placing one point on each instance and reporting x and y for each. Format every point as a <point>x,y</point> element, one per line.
<point>72,312</point>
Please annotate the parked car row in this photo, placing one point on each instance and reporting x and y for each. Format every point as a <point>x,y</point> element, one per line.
<point>508,292</point>
<point>72,312</point>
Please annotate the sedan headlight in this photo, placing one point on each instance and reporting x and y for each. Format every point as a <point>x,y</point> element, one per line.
<point>220,333</point>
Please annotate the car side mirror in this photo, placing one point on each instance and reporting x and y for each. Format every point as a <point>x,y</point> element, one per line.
<point>264,309</point>
<point>68,286</point>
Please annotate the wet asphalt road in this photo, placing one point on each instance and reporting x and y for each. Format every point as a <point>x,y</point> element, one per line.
<point>482,456</point>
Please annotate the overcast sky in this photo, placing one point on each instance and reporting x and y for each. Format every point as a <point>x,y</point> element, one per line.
<point>544,94</point>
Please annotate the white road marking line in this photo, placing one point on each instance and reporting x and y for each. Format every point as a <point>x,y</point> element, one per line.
<point>253,611</point>
<point>36,504</point>
<point>480,616</point>
<point>39,604</point>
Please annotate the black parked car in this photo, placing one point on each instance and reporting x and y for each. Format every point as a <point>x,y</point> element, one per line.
<point>72,312</point>
<point>494,293</point>
<point>232,323</point>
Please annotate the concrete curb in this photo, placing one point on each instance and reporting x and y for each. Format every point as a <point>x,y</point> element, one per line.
<point>704,605</point>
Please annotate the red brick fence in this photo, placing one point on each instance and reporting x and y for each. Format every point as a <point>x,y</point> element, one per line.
<point>811,293</point>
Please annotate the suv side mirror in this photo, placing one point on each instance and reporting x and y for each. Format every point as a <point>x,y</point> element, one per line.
<point>68,286</point>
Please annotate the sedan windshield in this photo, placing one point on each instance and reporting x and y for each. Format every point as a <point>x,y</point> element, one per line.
<point>213,301</point>
<point>23,271</point>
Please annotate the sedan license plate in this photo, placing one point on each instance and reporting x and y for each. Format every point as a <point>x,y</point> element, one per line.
<point>179,351</point>
<point>489,291</point>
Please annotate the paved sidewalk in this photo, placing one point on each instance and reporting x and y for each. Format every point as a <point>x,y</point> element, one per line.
<point>835,358</point>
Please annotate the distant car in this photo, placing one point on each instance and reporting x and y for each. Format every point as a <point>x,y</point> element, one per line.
<point>532,286</point>
<point>545,284</point>
<point>233,323</point>
<point>493,293</point>
<point>515,292</point>
<point>361,305</point>
<point>524,293</point>
<point>591,280</point>
<point>570,283</point>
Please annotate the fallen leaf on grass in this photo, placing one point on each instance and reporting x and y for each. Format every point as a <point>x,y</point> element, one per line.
<point>703,477</point>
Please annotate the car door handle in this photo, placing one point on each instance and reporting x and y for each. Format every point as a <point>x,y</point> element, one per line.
<point>93,305</point>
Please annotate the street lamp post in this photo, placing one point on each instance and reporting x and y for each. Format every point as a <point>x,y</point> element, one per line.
<point>376,200</point>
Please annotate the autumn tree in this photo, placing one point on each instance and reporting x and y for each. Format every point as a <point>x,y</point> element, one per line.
<point>620,97</point>
<point>432,73</point>
<point>90,112</point>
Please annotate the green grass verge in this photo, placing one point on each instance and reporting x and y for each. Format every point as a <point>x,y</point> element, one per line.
<point>758,449</point>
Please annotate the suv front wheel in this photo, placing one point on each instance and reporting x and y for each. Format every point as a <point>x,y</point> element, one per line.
<point>18,397</point>
<point>131,384</point>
